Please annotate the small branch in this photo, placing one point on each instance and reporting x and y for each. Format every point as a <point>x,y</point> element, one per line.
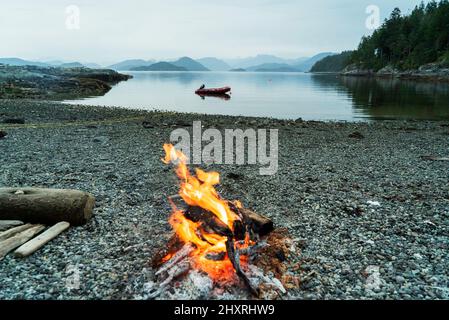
<point>433,158</point>
<point>35,244</point>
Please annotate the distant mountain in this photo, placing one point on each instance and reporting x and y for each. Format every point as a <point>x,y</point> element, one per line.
<point>308,64</point>
<point>71,65</point>
<point>244,63</point>
<point>54,62</point>
<point>238,70</point>
<point>296,61</point>
<point>334,63</point>
<point>160,66</point>
<point>189,64</point>
<point>214,64</point>
<point>92,65</point>
<point>272,67</point>
<point>127,65</point>
<point>22,62</point>
<point>65,64</point>
<point>283,65</point>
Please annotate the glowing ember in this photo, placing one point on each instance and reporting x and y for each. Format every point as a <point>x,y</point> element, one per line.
<point>198,191</point>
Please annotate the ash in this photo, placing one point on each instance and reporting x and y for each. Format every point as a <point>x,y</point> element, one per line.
<point>269,262</point>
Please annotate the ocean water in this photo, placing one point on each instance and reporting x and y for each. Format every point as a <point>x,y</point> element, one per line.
<point>281,95</point>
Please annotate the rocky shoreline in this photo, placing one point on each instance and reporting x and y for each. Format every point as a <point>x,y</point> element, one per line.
<point>433,72</point>
<point>54,83</point>
<point>368,210</point>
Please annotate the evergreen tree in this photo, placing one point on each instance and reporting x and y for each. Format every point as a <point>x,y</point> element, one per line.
<point>407,42</point>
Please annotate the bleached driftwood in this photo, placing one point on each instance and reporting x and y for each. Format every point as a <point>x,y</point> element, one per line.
<point>46,206</point>
<point>7,224</point>
<point>17,240</point>
<point>178,265</point>
<point>35,244</point>
<point>13,231</point>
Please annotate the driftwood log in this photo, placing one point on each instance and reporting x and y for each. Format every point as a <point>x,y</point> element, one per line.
<point>8,224</point>
<point>38,242</point>
<point>47,206</point>
<point>19,239</point>
<point>13,231</point>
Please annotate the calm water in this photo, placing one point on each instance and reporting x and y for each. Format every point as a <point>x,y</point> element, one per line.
<point>282,95</point>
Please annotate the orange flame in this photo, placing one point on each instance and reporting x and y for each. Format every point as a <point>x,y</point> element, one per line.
<point>199,191</point>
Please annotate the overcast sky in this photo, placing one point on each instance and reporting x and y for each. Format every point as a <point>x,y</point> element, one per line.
<point>112,30</point>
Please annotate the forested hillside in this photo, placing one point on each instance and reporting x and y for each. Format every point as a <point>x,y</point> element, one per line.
<point>334,63</point>
<point>408,41</point>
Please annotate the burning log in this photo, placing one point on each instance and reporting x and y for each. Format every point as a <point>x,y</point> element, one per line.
<point>174,244</point>
<point>258,223</point>
<point>209,222</point>
<point>234,256</point>
<point>46,206</point>
<point>214,231</point>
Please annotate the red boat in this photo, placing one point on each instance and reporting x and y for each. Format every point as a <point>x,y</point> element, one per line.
<point>212,91</point>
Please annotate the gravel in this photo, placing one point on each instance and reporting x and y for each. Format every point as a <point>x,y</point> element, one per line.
<point>371,214</point>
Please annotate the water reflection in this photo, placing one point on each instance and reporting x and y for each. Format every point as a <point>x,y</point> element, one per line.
<point>180,77</point>
<point>389,98</point>
<point>222,96</point>
<point>281,95</point>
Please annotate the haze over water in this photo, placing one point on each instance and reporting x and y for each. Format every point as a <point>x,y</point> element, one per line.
<point>281,95</point>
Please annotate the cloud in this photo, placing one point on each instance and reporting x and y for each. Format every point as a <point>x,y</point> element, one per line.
<point>114,30</point>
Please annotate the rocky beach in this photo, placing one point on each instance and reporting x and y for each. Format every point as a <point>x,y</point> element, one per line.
<point>367,203</point>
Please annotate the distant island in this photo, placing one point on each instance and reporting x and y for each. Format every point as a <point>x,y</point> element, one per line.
<point>259,63</point>
<point>189,64</point>
<point>183,64</point>
<point>214,64</point>
<point>273,67</point>
<point>128,65</point>
<point>159,66</point>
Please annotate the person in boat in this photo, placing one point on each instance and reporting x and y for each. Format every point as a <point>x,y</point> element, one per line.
<point>202,87</point>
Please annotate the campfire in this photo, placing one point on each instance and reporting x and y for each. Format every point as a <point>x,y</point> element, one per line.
<point>217,237</point>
